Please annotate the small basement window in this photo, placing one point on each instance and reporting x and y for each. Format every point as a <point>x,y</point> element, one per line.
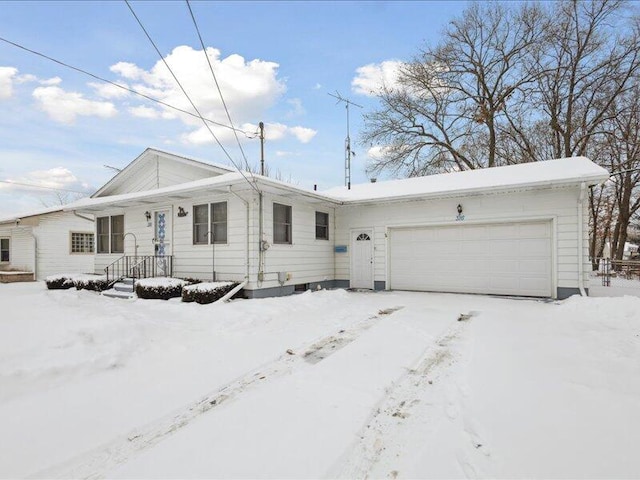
<point>4,249</point>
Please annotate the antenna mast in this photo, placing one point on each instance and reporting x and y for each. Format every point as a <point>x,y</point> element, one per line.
<point>347,141</point>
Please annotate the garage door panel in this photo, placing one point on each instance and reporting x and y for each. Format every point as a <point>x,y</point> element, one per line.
<point>511,259</point>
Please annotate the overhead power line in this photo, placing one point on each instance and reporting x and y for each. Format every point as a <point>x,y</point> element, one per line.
<point>123,87</point>
<point>187,95</point>
<point>215,79</point>
<point>22,184</point>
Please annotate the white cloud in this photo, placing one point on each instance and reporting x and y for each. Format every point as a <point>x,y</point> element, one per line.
<point>249,87</point>
<point>317,86</point>
<point>7,75</point>
<point>49,81</point>
<point>370,79</point>
<point>296,108</point>
<point>303,134</point>
<point>41,180</point>
<point>65,107</point>
<point>377,152</point>
<point>142,111</point>
<point>107,90</point>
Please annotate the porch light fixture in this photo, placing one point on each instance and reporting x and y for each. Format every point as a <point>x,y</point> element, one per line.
<point>181,212</point>
<point>147,215</point>
<point>459,209</point>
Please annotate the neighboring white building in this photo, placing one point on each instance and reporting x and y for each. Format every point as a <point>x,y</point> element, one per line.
<point>47,242</point>
<point>515,230</point>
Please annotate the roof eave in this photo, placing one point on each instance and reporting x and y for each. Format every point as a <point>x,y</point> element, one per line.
<point>588,180</point>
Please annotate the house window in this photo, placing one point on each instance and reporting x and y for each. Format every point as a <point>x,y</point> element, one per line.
<point>219,222</point>
<point>81,242</point>
<point>4,249</point>
<point>322,226</point>
<point>281,223</point>
<point>200,224</point>
<point>218,226</point>
<point>110,234</point>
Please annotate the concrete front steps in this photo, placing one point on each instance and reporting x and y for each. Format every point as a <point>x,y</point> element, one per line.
<point>121,289</point>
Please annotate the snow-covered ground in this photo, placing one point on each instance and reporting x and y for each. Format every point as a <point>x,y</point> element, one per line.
<point>317,385</point>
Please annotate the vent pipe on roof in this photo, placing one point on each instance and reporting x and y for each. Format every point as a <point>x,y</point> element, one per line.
<point>315,187</point>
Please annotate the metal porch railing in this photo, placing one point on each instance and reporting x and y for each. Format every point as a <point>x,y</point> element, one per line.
<point>139,266</point>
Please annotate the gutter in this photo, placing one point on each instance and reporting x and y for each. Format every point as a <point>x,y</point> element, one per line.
<point>581,239</point>
<point>35,256</point>
<point>82,217</point>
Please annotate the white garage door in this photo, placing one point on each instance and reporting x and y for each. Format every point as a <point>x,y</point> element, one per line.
<point>502,259</point>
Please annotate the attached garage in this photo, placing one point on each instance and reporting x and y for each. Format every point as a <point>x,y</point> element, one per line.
<point>501,259</point>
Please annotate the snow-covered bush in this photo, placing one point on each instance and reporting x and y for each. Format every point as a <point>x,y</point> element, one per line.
<point>96,283</point>
<point>206,292</point>
<point>159,288</point>
<point>59,282</point>
<point>64,281</point>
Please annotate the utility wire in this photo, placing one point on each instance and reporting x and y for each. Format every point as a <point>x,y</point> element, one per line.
<point>130,90</point>
<point>215,79</point>
<point>187,96</point>
<point>9,182</point>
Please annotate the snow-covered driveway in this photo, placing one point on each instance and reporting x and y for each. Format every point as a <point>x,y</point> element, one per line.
<point>324,384</point>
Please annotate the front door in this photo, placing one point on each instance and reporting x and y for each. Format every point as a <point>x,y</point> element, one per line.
<point>162,240</point>
<point>362,258</point>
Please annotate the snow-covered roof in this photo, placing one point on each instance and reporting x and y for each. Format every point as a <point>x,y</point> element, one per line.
<point>564,171</point>
<point>44,211</point>
<point>525,175</point>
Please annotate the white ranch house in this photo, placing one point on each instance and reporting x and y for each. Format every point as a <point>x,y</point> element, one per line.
<point>515,230</point>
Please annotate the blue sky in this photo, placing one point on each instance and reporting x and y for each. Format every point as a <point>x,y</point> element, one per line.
<point>275,61</point>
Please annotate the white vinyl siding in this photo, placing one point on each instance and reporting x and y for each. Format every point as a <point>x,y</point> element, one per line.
<point>306,259</point>
<point>156,171</point>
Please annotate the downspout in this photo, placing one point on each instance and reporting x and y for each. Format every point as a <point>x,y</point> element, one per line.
<point>260,238</point>
<point>35,255</point>
<point>246,234</point>
<point>581,240</point>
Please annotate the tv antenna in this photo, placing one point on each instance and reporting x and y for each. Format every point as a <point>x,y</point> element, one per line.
<point>347,142</point>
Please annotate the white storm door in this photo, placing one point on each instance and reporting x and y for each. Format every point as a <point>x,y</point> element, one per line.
<point>362,258</point>
<point>162,232</point>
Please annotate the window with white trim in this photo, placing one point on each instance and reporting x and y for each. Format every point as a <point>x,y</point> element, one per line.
<point>4,249</point>
<point>281,223</point>
<point>110,234</point>
<point>322,226</point>
<point>203,229</point>
<point>81,242</point>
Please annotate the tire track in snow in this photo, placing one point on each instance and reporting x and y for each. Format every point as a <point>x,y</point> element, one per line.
<point>384,430</point>
<point>97,462</point>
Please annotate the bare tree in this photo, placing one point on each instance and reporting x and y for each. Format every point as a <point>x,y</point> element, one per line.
<point>60,198</point>
<point>451,101</point>
<point>622,157</point>
<point>591,54</point>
